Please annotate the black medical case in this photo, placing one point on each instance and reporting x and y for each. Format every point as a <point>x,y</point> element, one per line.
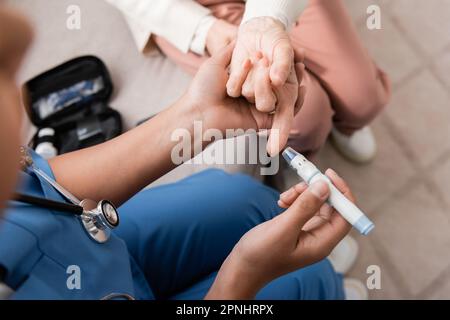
<point>72,99</point>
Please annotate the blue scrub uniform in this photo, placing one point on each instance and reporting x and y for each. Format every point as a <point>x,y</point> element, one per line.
<point>170,243</point>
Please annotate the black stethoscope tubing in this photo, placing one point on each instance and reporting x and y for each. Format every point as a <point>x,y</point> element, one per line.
<point>49,204</point>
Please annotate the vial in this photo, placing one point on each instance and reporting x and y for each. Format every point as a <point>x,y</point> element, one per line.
<point>45,143</point>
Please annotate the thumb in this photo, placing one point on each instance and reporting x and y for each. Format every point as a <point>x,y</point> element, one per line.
<point>308,204</point>
<point>223,56</point>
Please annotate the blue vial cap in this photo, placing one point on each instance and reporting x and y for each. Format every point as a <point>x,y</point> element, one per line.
<point>364,225</point>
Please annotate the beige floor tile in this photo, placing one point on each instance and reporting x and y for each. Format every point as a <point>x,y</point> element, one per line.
<point>370,182</point>
<point>441,177</point>
<point>413,231</point>
<point>426,22</point>
<point>420,111</point>
<point>442,291</point>
<point>389,49</point>
<point>442,67</point>
<point>368,257</point>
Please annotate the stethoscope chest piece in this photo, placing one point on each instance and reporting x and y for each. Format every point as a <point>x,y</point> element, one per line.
<point>99,219</point>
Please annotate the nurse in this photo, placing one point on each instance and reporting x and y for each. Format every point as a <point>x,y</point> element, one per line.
<point>212,235</point>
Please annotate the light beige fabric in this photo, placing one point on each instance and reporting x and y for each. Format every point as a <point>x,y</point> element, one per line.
<point>177,21</point>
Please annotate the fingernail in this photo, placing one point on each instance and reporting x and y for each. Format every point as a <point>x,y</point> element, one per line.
<point>332,172</point>
<point>287,194</point>
<point>301,185</point>
<point>319,189</point>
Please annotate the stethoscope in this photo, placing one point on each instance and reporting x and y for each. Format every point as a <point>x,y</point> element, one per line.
<point>98,219</point>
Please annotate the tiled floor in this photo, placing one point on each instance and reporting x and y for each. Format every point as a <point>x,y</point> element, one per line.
<point>405,189</point>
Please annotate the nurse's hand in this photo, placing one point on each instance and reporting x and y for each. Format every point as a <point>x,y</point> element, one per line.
<point>304,234</point>
<point>220,35</point>
<point>207,94</point>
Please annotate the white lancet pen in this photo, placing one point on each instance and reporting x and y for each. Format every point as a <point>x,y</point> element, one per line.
<point>310,174</point>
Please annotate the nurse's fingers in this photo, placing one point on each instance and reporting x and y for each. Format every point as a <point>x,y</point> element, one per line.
<point>265,99</point>
<point>336,228</point>
<point>284,115</point>
<point>223,56</point>
<point>340,184</point>
<point>307,205</point>
<point>300,72</point>
<point>289,196</point>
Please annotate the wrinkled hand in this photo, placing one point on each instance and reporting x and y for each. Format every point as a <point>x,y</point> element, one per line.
<point>304,234</point>
<point>220,35</point>
<point>207,93</point>
<point>266,35</point>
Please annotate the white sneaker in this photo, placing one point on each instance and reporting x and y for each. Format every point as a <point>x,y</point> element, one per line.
<point>344,255</point>
<point>360,147</point>
<point>355,290</point>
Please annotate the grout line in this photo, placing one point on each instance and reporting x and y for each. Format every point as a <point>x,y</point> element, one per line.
<point>411,41</point>
<point>407,78</point>
<point>436,193</point>
<point>383,253</point>
<point>396,276</point>
<point>433,69</point>
<point>426,63</point>
<point>397,136</point>
<point>398,84</point>
<point>438,283</point>
<point>404,146</point>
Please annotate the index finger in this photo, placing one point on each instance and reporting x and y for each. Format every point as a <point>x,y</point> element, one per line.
<point>223,56</point>
<point>340,184</point>
<point>283,117</point>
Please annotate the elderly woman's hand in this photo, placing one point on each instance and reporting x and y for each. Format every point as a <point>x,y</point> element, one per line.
<point>269,36</point>
<point>207,94</point>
